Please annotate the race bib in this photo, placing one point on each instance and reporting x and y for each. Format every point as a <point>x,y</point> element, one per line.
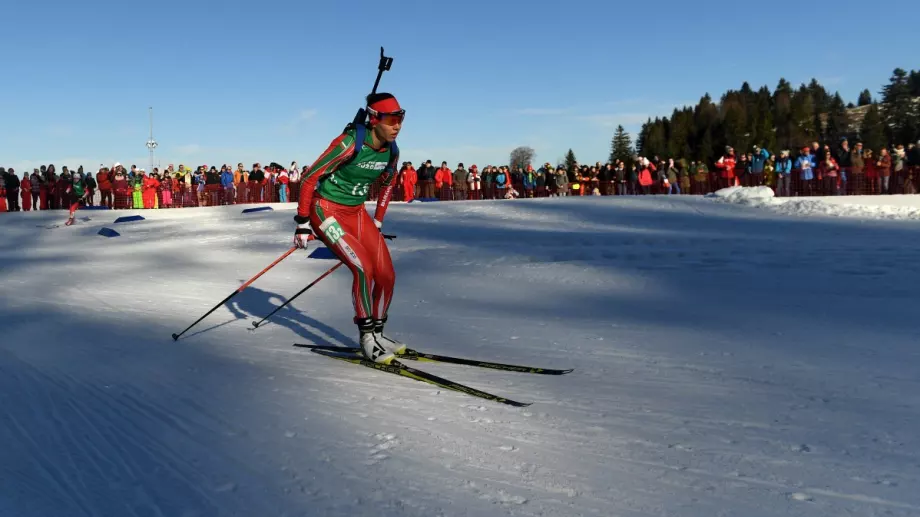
<point>332,230</point>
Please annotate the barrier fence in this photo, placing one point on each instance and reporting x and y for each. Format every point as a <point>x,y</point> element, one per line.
<point>183,196</point>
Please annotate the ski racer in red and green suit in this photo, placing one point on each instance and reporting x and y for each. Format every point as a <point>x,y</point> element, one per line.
<point>331,203</point>
<point>75,194</point>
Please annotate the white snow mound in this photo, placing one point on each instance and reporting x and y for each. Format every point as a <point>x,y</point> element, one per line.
<point>894,207</point>
<point>750,196</point>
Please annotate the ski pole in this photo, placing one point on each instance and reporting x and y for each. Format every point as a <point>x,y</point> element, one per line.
<point>238,291</point>
<point>291,299</point>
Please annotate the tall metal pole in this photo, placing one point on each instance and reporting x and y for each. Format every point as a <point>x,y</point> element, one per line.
<point>151,143</point>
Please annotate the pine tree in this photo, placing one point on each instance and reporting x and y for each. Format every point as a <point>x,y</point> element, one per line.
<point>570,161</point>
<point>872,130</point>
<point>802,120</point>
<point>706,152</point>
<point>782,115</point>
<point>865,98</point>
<point>706,121</point>
<point>680,133</point>
<point>643,136</point>
<point>734,130</point>
<point>820,102</point>
<point>656,142</point>
<point>763,131</point>
<point>837,120</point>
<point>914,83</point>
<point>898,108</point>
<point>621,147</point>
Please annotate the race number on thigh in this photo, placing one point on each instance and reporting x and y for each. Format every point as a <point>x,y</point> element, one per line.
<point>332,230</point>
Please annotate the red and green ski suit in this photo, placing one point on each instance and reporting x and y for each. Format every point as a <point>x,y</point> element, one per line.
<point>332,195</point>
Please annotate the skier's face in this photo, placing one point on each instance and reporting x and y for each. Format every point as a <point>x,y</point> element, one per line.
<point>388,132</point>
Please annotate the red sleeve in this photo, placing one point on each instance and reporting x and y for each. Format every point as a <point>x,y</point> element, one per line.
<point>383,200</point>
<point>337,152</point>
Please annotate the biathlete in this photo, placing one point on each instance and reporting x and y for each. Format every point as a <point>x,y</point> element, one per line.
<point>75,194</point>
<point>331,202</point>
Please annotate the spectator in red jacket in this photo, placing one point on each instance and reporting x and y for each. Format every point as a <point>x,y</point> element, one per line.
<point>727,164</point>
<point>25,192</point>
<point>443,181</point>
<point>409,180</point>
<point>104,182</point>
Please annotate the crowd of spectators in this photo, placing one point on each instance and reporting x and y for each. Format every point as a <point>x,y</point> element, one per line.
<point>838,169</point>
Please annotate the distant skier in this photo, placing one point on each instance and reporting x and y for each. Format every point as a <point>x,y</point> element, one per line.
<point>75,193</point>
<point>332,196</point>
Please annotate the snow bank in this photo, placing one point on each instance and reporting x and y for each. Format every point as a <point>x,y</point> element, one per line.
<point>749,196</point>
<point>893,207</point>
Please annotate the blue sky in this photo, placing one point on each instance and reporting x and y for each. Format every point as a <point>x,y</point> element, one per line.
<point>261,81</point>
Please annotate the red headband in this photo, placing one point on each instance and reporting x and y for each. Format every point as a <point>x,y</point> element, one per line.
<point>385,106</point>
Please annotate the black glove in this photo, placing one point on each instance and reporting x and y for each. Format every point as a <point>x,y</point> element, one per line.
<point>304,232</point>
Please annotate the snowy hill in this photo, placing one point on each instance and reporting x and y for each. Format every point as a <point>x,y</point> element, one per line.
<point>729,360</point>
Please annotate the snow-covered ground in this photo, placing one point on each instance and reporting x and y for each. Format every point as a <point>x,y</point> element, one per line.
<point>729,360</point>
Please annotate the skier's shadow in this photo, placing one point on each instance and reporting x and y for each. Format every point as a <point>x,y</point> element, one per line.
<point>254,304</point>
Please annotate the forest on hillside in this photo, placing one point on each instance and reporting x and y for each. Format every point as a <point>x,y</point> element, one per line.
<point>785,118</point>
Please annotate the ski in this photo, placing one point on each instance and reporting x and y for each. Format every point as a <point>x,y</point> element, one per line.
<point>397,368</point>
<point>415,355</point>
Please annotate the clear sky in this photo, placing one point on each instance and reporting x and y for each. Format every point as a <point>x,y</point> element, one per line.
<point>276,81</point>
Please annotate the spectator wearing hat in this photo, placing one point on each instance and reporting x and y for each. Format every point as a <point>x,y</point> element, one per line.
<point>460,185</point>
<point>443,180</point>
<point>426,180</point>
<point>474,182</point>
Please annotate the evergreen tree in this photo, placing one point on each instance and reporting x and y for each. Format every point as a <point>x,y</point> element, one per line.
<point>643,137</point>
<point>872,130</point>
<point>786,128</point>
<point>680,134</point>
<point>656,142</point>
<point>838,121</point>
<point>763,130</point>
<point>570,161</point>
<point>820,100</point>
<point>621,147</point>
<point>914,83</point>
<point>819,96</point>
<point>705,152</point>
<point>734,127</point>
<point>788,118</point>
<point>802,111</point>
<point>899,111</point>
<point>706,122</point>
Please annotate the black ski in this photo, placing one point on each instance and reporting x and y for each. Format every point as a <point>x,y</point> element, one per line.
<point>397,368</point>
<point>415,355</point>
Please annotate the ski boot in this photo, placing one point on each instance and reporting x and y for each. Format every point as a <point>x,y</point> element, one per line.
<point>370,347</point>
<point>391,345</point>
<point>69,221</point>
